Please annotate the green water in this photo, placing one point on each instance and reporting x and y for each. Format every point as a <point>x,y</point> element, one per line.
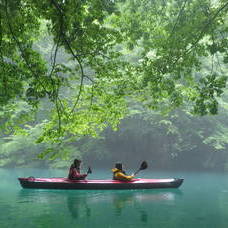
<point>202,201</point>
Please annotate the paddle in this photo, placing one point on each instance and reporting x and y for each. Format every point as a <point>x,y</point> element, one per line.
<point>142,167</point>
<point>89,170</point>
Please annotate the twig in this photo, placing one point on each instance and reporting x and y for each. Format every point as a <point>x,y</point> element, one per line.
<point>61,15</point>
<point>206,26</point>
<point>92,95</point>
<point>201,34</point>
<point>178,17</point>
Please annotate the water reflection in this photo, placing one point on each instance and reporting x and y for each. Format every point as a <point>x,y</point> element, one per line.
<point>117,202</point>
<point>86,207</point>
<point>78,206</point>
<point>86,203</point>
<point>139,199</point>
<point>121,202</point>
<point>200,202</point>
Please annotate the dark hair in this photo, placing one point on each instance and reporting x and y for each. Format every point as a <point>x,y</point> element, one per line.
<point>77,162</point>
<point>119,166</point>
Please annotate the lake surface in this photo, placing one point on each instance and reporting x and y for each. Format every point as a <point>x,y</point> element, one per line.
<point>202,201</point>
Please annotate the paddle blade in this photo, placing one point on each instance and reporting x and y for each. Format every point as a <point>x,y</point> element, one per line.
<point>89,171</point>
<point>144,165</point>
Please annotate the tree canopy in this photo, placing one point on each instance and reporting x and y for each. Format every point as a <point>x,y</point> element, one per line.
<point>107,55</point>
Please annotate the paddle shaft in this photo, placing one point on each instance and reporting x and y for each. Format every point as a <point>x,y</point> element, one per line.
<point>142,167</point>
<point>137,172</point>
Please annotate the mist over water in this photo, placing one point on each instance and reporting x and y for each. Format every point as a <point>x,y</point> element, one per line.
<point>202,201</point>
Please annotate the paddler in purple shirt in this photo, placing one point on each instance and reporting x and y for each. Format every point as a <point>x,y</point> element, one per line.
<point>74,172</point>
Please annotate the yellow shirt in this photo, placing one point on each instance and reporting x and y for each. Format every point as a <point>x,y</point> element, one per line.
<point>119,175</point>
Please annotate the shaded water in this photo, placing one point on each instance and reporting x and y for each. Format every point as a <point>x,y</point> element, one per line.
<point>202,201</point>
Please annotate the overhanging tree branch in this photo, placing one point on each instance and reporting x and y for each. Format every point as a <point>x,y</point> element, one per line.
<point>202,33</point>
<point>21,49</point>
<point>76,57</point>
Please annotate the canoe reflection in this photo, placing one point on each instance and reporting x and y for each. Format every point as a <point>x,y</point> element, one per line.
<point>90,205</point>
<point>87,203</point>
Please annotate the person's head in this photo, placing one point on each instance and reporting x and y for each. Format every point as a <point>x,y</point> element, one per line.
<point>77,162</point>
<point>119,166</point>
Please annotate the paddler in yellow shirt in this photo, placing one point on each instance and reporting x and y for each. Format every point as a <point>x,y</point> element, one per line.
<point>120,174</point>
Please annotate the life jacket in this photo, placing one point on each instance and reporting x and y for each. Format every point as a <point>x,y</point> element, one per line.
<point>120,175</point>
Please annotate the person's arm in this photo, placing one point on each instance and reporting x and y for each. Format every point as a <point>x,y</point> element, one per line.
<point>78,175</point>
<point>122,176</point>
<point>84,175</point>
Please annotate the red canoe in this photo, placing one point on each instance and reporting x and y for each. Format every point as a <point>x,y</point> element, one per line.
<point>65,183</point>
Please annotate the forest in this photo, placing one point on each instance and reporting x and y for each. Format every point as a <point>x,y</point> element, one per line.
<point>114,80</point>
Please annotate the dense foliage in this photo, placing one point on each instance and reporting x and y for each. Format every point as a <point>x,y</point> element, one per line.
<point>177,141</point>
<point>90,62</point>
